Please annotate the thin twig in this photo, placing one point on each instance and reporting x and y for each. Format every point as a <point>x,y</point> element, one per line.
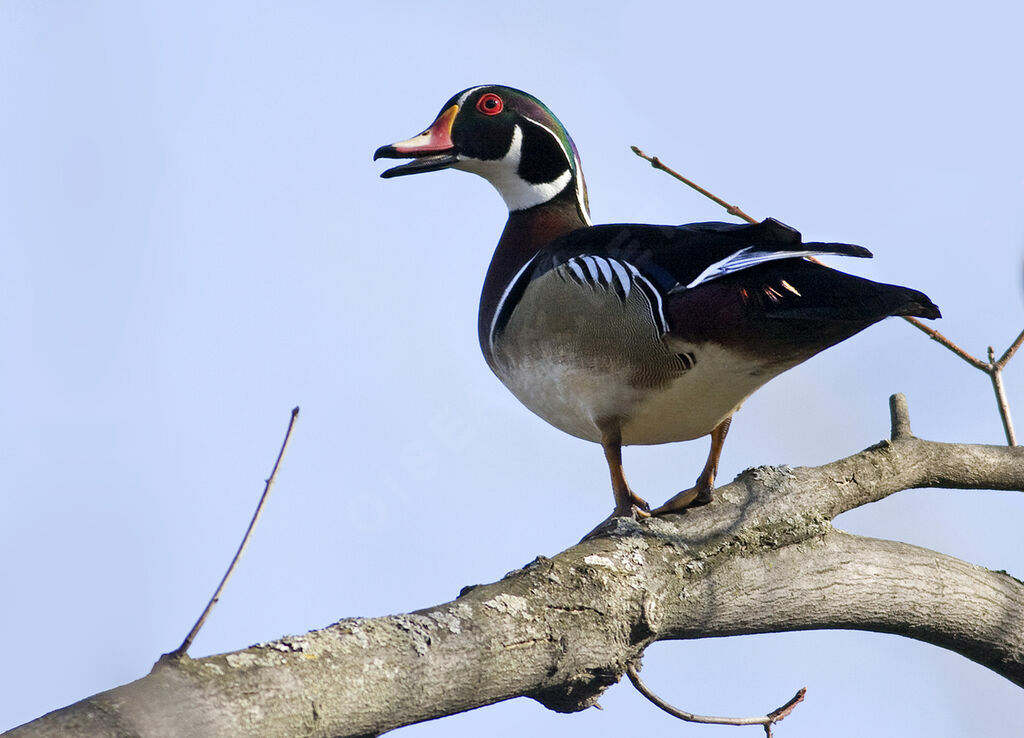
<point>657,164</point>
<point>183,648</point>
<point>766,720</point>
<point>996,375</point>
<point>1008,354</point>
<point>936,336</point>
<point>992,367</point>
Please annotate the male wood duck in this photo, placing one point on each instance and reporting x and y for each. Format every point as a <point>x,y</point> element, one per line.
<point>634,334</point>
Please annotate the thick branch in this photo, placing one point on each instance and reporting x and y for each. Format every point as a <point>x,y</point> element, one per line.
<point>763,557</point>
<point>892,466</point>
<point>845,581</point>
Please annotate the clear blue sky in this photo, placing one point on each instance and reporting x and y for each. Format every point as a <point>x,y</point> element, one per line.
<point>194,239</point>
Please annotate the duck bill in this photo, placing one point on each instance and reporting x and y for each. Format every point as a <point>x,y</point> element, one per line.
<point>431,150</point>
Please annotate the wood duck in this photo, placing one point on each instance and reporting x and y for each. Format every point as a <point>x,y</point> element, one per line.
<point>634,334</point>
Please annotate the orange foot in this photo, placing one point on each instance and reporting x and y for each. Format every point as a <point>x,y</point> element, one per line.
<point>700,494</point>
<point>637,509</point>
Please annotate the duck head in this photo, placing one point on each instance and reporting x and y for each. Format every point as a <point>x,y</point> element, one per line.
<point>506,136</point>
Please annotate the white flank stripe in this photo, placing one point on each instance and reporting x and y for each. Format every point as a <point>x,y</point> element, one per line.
<point>622,275</point>
<point>593,268</point>
<point>658,311</point>
<point>577,269</point>
<point>606,269</point>
<point>588,268</point>
<point>501,302</point>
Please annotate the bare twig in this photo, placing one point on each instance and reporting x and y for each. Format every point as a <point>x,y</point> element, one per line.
<point>996,375</point>
<point>183,648</point>
<point>995,372</point>
<point>992,367</point>
<point>766,720</point>
<point>657,164</point>
<point>1008,354</point>
<point>939,338</point>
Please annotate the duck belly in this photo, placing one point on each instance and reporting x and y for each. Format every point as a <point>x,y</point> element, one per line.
<point>580,398</point>
<point>693,404</point>
<point>588,358</point>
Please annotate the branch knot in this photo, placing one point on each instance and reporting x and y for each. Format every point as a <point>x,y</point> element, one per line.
<point>899,415</point>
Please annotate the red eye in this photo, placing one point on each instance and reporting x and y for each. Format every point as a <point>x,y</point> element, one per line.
<point>490,104</point>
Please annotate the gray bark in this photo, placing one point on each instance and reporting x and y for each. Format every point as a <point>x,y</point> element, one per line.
<point>763,557</point>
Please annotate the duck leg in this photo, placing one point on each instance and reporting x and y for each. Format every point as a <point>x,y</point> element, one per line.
<point>626,502</point>
<point>700,492</point>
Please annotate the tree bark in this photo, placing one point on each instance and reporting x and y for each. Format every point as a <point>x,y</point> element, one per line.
<point>763,557</point>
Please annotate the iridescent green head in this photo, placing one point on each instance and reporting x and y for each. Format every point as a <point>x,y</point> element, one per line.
<point>505,135</point>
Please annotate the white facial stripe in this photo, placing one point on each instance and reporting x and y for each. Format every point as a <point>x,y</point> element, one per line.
<point>504,175</point>
<point>568,154</point>
<point>462,98</point>
<point>571,161</point>
<point>584,209</point>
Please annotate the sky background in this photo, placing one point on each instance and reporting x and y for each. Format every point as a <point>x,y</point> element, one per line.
<point>194,239</point>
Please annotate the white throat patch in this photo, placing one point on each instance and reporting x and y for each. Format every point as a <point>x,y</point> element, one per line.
<point>504,175</point>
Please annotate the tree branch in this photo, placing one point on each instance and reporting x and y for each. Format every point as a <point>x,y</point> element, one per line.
<point>762,558</point>
<point>845,581</point>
